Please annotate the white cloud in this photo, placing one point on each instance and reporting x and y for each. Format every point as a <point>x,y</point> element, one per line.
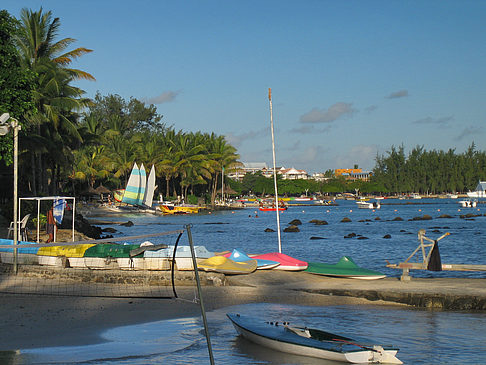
<point>361,155</point>
<point>334,112</point>
<point>469,131</point>
<point>309,129</point>
<point>430,120</point>
<point>397,94</point>
<point>165,97</point>
<point>237,140</point>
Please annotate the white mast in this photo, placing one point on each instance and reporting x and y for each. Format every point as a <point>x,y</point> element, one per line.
<point>275,172</point>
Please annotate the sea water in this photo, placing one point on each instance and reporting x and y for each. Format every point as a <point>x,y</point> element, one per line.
<point>424,337</point>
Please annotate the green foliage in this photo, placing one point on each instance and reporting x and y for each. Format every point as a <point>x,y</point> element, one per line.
<point>16,82</point>
<point>431,172</point>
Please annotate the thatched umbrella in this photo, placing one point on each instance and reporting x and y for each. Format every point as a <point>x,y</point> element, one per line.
<point>228,191</point>
<point>102,190</point>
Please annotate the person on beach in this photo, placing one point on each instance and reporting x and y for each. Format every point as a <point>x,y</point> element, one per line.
<point>51,225</point>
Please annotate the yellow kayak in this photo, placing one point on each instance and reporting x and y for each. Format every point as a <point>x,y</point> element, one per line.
<point>67,251</point>
<point>225,265</point>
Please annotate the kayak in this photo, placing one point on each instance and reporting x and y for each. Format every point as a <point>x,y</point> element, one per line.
<point>345,268</point>
<point>224,265</point>
<point>287,263</point>
<point>311,342</point>
<point>239,256</point>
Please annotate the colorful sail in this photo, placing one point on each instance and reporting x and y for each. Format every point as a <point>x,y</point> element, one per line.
<point>149,192</point>
<point>142,186</point>
<point>133,187</point>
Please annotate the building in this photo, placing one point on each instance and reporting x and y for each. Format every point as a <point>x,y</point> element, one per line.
<point>293,174</point>
<point>252,167</point>
<point>353,174</point>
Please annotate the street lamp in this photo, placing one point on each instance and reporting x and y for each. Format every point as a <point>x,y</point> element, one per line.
<point>4,129</point>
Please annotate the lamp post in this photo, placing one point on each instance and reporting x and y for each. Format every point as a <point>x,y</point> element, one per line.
<point>4,129</point>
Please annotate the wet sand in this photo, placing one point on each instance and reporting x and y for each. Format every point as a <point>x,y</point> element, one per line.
<point>32,321</point>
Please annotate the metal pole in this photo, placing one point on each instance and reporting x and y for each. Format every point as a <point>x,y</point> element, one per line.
<point>275,172</point>
<point>199,291</point>
<point>16,128</point>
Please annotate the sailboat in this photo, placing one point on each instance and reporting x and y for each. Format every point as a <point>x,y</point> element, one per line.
<point>139,191</point>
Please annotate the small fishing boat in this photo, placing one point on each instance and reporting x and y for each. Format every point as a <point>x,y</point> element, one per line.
<point>368,205</point>
<point>239,256</point>
<point>311,342</point>
<point>225,265</point>
<point>468,203</point>
<point>287,263</point>
<point>345,268</point>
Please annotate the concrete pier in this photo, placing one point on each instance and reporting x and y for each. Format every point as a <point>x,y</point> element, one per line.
<point>434,293</point>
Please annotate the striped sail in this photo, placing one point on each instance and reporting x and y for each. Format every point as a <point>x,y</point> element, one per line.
<point>149,192</point>
<point>143,185</point>
<point>133,187</point>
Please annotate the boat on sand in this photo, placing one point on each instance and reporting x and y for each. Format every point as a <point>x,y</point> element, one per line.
<point>311,342</point>
<point>287,263</point>
<point>227,266</point>
<point>345,268</point>
<point>239,256</point>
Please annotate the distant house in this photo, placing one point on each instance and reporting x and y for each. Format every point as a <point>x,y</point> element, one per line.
<point>248,167</point>
<point>353,174</point>
<point>252,167</point>
<point>293,174</point>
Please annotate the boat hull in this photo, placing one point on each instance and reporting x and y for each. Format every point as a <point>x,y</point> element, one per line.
<point>279,337</point>
<point>287,263</point>
<point>345,268</point>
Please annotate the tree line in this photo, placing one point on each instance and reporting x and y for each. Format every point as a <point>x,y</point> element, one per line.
<point>69,143</point>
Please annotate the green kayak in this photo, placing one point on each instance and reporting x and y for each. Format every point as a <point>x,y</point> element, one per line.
<point>345,268</point>
<point>110,250</point>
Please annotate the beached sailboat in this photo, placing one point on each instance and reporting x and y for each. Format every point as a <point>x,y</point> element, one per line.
<point>139,191</point>
<point>311,342</point>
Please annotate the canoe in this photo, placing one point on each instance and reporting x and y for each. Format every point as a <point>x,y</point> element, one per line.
<point>311,342</point>
<point>25,255</point>
<point>239,256</point>
<point>287,263</point>
<point>225,265</point>
<point>345,268</point>
<point>183,258</point>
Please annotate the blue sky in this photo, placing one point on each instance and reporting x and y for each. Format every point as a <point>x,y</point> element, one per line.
<point>349,79</point>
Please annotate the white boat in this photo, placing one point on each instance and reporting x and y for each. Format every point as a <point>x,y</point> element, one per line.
<point>452,196</point>
<point>415,196</point>
<point>368,205</point>
<point>311,342</point>
<point>468,203</point>
<point>480,191</point>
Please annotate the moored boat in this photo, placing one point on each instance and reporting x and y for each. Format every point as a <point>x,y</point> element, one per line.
<point>368,205</point>
<point>345,268</point>
<point>468,203</point>
<point>178,209</point>
<point>311,342</point>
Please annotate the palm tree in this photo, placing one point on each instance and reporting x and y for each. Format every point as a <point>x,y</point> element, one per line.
<point>55,98</point>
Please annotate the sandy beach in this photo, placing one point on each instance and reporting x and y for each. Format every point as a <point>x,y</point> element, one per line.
<point>43,321</point>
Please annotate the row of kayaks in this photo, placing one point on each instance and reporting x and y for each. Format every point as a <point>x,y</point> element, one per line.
<point>147,256</point>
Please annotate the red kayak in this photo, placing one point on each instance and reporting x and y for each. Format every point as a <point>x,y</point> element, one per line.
<point>286,262</point>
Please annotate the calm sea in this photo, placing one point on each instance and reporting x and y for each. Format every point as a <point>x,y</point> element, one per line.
<point>424,337</point>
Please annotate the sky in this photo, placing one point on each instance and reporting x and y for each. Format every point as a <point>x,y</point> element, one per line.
<point>349,79</point>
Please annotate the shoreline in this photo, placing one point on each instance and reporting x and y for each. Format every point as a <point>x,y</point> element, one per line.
<point>36,321</point>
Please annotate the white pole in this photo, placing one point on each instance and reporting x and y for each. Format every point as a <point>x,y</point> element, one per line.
<point>275,172</point>
<point>16,127</point>
<point>222,184</point>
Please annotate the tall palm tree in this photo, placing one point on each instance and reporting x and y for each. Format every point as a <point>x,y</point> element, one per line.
<point>55,98</point>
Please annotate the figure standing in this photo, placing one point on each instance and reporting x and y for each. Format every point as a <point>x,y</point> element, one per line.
<point>51,225</point>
